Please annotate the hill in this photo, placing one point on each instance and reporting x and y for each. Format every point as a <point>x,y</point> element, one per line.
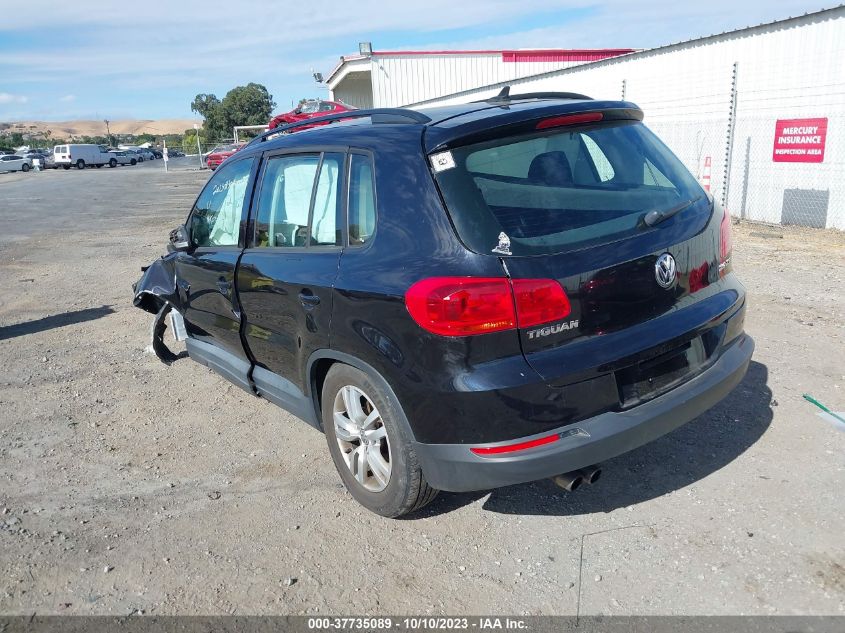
<point>67,129</point>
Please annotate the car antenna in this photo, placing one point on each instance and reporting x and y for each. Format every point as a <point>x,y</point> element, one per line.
<point>504,94</point>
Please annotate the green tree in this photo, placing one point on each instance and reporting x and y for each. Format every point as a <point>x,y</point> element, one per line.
<point>251,104</point>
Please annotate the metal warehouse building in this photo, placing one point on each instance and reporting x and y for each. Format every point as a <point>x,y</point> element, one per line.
<point>758,113</point>
<point>390,78</point>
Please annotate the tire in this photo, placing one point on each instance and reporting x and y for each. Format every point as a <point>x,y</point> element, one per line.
<point>133,162</point>
<point>80,164</point>
<point>140,159</point>
<point>24,168</point>
<point>113,163</point>
<point>66,166</point>
<point>98,166</point>
<point>406,489</point>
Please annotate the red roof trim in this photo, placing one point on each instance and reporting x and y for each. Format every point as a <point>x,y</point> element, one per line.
<point>560,56</point>
<point>606,52</point>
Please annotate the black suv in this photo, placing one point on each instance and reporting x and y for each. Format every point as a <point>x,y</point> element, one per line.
<point>463,297</point>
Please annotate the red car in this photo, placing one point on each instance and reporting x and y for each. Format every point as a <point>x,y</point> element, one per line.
<point>221,153</point>
<point>309,110</point>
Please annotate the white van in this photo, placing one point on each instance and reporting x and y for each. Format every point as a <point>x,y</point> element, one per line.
<point>82,156</point>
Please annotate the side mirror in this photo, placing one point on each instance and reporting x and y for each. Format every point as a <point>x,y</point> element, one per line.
<point>179,239</point>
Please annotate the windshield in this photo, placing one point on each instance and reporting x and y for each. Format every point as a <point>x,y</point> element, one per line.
<point>309,107</point>
<point>561,190</point>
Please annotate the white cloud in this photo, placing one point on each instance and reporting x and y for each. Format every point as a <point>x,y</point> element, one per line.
<point>67,98</point>
<point>5,98</point>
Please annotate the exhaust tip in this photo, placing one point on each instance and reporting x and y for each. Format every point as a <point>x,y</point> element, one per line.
<point>569,481</point>
<point>591,474</point>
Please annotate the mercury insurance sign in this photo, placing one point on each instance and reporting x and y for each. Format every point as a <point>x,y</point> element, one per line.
<point>799,140</point>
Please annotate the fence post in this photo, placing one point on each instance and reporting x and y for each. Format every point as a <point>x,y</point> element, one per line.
<point>742,213</point>
<point>726,180</point>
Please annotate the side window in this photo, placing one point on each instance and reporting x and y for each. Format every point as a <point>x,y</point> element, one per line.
<point>653,176</point>
<point>324,229</point>
<point>603,168</point>
<point>216,218</point>
<point>362,200</point>
<point>285,200</point>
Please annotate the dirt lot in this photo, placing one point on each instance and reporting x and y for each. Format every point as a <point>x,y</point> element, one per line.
<point>128,486</point>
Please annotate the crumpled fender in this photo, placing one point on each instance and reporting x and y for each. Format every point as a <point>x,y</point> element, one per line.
<point>157,285</point>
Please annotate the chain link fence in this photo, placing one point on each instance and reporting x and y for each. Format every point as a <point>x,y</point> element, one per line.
<point>769,153</point>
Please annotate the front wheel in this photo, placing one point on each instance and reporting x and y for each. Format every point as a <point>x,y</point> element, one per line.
<point>80,164</point>
<point>24,167</point>
<point>369,446</point>
<point>134,162</point>
<point>112,162</point>
<point>66,166</point>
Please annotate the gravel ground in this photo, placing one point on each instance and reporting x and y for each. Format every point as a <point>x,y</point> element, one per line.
<point>128,486</point>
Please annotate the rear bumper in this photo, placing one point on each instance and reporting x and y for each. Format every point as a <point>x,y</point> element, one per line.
<point>453,467</point>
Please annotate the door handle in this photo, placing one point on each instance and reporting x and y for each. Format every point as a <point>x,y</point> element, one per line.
<point>308,299</point>
<point>225,287</point>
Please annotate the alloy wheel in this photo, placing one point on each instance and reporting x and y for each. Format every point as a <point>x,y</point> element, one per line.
<point>362,438</point>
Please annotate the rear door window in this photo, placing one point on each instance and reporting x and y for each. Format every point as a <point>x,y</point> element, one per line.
<point>299,201</point>
<point>562,189</point>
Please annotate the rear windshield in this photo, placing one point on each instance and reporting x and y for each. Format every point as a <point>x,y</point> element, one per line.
<point>560,190</point>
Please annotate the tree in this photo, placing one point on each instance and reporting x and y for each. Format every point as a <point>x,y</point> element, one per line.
<point>244,105</point>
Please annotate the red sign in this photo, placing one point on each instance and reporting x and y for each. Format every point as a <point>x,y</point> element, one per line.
<point>799,140</point>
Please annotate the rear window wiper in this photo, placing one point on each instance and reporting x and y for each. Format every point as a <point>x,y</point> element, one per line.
<point>656,216</point>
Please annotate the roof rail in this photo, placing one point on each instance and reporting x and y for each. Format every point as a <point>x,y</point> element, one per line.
<point>505,96</point>
<point>376,115</point>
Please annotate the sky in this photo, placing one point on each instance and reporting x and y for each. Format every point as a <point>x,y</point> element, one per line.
<point>147,59</point>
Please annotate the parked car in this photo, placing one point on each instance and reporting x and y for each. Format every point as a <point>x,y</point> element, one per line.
<point>141,154</point>
<point>13,162</point>
<point>38,155</point>
<point>81,155</point>
<point>308,110</point>
<point>123,158</point>
<point>175,153</point>
<point>221,153</point>
<point>157,153</point>
<point>464,297</point>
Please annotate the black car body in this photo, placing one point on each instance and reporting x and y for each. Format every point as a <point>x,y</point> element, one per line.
<point>526,304</point>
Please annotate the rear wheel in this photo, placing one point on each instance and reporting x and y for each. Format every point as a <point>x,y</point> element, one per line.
<point>66,166</point>
<point>112,162</point>
<point>369,447</point>
<point>80,164</point>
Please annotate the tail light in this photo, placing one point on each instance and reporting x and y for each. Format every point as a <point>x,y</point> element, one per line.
<point>539,301</point>
<point>725,244</point>
<point>465,306</point>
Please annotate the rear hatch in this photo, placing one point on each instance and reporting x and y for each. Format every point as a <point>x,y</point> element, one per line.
<point>594,202</point>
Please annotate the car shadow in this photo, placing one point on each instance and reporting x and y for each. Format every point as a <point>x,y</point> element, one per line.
<point>671,462</point>
<point>54,321</point>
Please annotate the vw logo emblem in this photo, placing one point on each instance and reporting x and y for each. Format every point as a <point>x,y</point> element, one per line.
<point>665,270</point>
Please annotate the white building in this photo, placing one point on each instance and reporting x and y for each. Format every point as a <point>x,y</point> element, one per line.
<point>733,106</point>
<point>385,79</point>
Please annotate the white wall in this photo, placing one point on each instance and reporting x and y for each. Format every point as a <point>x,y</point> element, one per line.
<point>405,79</point>
<point>791,69</point>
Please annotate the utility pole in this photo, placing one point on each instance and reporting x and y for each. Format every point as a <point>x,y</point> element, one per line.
<point>199,149</point>
<point>108,132</point>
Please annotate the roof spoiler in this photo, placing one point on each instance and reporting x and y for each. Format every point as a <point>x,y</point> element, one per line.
<point>505,96</point>
<point>376,115</point>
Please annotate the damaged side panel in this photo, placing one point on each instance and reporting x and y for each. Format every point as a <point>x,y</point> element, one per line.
<point>156,292</point>
<point>157,286</point>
